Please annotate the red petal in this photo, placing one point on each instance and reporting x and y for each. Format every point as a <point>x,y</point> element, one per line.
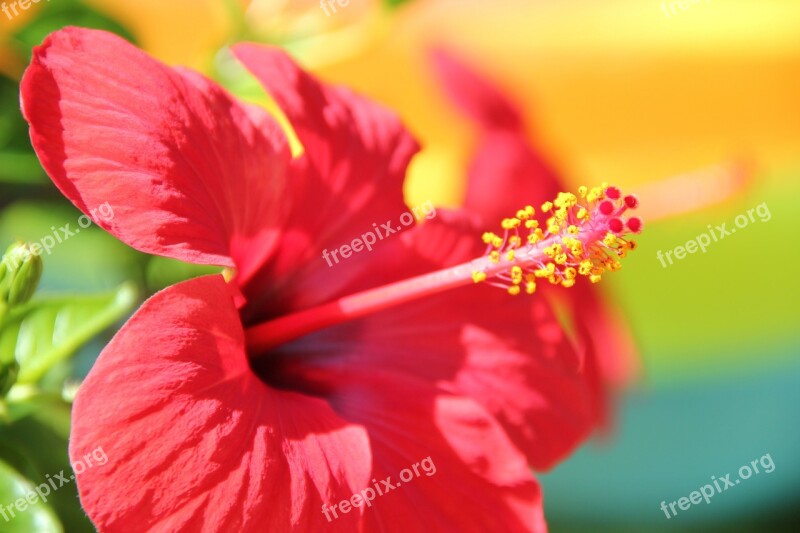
<point>182,165</point>
<point>348,181</point>
<point>468,477</point>
<point>508,353</point>
<point>194,440</point>
<point>508,172</point>
<point>505,175</point>
<point>474,95</point>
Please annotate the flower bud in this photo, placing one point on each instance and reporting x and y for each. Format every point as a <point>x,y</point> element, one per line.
<point>20,271</point>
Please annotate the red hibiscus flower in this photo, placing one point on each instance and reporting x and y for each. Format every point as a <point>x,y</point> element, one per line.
<point>387,392</point>
<point>506,160</point>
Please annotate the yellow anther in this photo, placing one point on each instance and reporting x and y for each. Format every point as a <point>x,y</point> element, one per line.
<point>497,242</point>
<point>553,229</point>
<point>594,278</point>
<point>516,275</point>
<point>570,273</point>
<point>533,238</point>
<point>531,224</point>
<point>477,277</point>
<point>582,190</point>
<point>510,223</point>
<point>530,210</point>
<point>596,193</point>
<point>565,199</point>
<point>545,272</point>
<point>510,255</point>
<point>547,206</point>
<point>560,258</point>
<point>513,290</point>
<point>568,283</point>
<point>585,267</point>
<point>549,251</point>
<point>488,237</point>
<point>522,214</point>
<point>530,287</point>
<point>582,214</point>
<point>514,241</point>
<point>573,229</point>
<point>494,256</point>
<point>610,239</point>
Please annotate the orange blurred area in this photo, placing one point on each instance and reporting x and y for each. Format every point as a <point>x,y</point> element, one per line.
<point>616,90</point>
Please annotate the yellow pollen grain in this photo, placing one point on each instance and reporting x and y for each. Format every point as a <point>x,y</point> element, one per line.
<point>477,277</point>
<point>513,290</point>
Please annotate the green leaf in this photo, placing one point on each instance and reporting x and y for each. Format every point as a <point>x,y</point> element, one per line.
<point>47,331</point>
<point>163,271</point>
<point>36,447</point>
<point>38,517</point>
<point>20,167</point>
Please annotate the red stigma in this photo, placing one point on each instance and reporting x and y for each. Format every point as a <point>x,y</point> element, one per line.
<point>613,193</point>
<point>634,224</point>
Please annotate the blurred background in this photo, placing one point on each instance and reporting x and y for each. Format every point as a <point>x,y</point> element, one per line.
<point>694,104</point>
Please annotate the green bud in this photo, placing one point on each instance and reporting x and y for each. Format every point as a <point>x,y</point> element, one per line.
<point>20,271</point>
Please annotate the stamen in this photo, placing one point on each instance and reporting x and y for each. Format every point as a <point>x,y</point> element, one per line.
<point>585,236</point>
